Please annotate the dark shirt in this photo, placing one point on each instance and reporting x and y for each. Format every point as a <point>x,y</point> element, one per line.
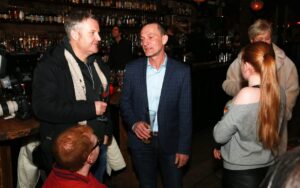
<point>94,89</point>
<point>120,54</point>
<point>172,47</point>
<point>199,45</point>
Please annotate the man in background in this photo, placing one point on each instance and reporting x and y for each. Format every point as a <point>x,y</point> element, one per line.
<point>172,47</point>
<point>120,51</point>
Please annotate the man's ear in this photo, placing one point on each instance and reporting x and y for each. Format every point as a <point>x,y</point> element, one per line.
<point>74,34</point>
<point>165,39</point>
<point>90,159</point>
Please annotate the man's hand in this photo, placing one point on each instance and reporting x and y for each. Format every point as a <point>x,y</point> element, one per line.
<point>100,107</point>
<point>142,130</point>
<point>217,154</point>
<point>181,159</point>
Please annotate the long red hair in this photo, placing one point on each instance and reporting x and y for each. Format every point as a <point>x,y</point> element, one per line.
<point>262,57</point>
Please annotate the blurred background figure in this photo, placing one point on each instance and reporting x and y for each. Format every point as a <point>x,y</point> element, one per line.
<point>76,149</point>
<point>172,47</point>
<point>198,44</point>
<point>120,51</point>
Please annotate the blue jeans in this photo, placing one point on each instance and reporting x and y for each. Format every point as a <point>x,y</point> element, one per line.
<point>99,167</point>
<point>148,159</point>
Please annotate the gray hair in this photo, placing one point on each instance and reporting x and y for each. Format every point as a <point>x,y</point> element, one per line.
<point>76,17</point>
<point>259,27</point>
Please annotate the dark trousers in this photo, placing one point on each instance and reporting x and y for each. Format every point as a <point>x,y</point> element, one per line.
<point>99,167</point>
<point>146,162</point>
<point>243,178</point>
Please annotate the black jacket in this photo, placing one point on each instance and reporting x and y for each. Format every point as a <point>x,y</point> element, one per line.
<point>53,97</point>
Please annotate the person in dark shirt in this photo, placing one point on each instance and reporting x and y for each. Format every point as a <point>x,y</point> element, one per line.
<point>120,51</point>
<point>199,45</point>
<point>172,47</point>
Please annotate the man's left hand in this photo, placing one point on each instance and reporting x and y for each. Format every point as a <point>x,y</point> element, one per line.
<point>181,159</point>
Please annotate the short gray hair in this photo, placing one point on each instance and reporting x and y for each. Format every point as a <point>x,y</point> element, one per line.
<point>259,27</point>
<point>76,17</point>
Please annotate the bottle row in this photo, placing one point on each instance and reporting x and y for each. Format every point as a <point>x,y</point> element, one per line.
<point>180,8</point>
<point>27,43</point>
<point>145,5</point>
<point>39,43</point>
<point>221,48</point>
<point>130,20</point>
<point>20,16</point>
<point>139,5</point>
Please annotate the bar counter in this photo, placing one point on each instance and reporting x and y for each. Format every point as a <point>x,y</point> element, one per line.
<point>12,129</point>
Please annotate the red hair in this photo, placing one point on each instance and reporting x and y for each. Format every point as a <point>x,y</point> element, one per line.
<point>262,57</point>
<point>73,146</point>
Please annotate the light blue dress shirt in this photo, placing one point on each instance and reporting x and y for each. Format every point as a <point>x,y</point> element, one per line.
<point>154,80</point>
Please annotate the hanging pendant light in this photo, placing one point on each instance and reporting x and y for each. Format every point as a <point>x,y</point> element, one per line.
<point>257,5</point>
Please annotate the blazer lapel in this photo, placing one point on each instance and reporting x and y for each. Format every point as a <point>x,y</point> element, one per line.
<point>143,84</point>
<point>165,86</point>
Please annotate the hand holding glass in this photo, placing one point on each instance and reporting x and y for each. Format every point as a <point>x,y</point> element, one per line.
<point>103,97</point>
<point>152,116</point>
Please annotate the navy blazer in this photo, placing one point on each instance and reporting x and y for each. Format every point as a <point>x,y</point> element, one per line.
<point>175,106</point>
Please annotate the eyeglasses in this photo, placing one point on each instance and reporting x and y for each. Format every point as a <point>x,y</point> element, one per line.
<point>98,143</point>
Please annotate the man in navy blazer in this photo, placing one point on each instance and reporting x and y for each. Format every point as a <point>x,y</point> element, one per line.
<point>160,84</point>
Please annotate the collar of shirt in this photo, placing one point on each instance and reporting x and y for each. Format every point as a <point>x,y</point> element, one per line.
<point>161,66</point>
<point>69,175</point>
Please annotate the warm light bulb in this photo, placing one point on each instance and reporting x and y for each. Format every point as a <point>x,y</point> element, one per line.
<point>257,5</point>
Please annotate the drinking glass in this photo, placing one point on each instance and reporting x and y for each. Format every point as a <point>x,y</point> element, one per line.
<point>120,78</point>
<point>152,116</point>
<point>104,94</point>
